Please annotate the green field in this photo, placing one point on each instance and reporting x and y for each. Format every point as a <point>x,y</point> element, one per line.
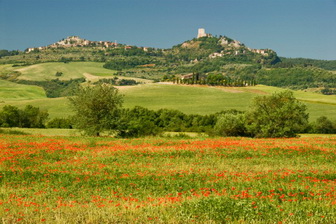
<point>188,99</point>
<point>91,71</point>
<point>73,70</point>
<point>10,91</point>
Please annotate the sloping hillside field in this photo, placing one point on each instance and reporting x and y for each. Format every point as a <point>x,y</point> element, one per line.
<point>188,99</point>
<point>10,91</point>
<point>103,180</point>
<point>41,72</point>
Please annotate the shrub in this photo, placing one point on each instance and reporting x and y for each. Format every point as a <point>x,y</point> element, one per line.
<point>64,123</point>
<point>278,115</point>
<point>230,125</point>
<point>323,126</point>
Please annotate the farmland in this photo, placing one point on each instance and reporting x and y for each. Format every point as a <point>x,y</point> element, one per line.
<point>167,180</point>
<point>188,99</point>
<point>16,92</point>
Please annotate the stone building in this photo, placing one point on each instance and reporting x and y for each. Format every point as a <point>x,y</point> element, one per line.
<point>201,33</point>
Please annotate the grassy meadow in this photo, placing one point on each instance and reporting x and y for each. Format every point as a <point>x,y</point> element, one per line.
<point>188,99</point>
<point>10,91</point>
<point>73,70</point>
<point>91,71</point>
<point>167,180</point>
<point>59,176</point>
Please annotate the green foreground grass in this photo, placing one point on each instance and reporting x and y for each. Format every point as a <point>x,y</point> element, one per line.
<point>164,180</point>
<point>75,132</point>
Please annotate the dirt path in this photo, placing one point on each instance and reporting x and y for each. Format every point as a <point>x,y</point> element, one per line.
<point>90,77</point>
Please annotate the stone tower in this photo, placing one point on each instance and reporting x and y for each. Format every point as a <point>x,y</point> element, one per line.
<point>201,33</point>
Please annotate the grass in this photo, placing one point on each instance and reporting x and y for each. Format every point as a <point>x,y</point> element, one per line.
<point>57,107</point>
<point>10,91</point>
<point>41,131</point>
<point>190,99</point>
<point>72,70</point>
<point>206,100</point>
<point>317,104</point>
<point>165,180</point>
<point>6,68</point>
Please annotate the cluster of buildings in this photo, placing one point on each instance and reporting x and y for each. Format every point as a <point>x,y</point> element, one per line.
<point>232,47</point>
<point>75,41</point>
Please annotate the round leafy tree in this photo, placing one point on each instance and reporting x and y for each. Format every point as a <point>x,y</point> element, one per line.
<point>278,115</point>
<point>96,108</point>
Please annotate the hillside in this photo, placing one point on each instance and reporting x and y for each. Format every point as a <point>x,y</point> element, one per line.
<point>45,76</point>
<point>10,91</point>
<point>204,55</point>
<point>188,99</point>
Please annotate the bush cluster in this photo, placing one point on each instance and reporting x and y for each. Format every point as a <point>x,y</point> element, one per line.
<point>98,109</point>
<point>127,62</point>
<point>29,117</point>
<point>140,121</point>
<point>118,82</point>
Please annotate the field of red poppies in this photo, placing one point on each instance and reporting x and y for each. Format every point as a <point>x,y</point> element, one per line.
<point>167,180</point>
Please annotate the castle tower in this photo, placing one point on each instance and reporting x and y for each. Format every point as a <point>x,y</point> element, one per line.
<point>201,33</point>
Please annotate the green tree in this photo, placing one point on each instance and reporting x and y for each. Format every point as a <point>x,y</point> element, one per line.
<point>138,122</point>
<point>278,115</point>
<point>323,126</point>
<point>97,108</point>
<point>230,124</point>
<point>64,123</point>
<point>30,117</point>
<point>10,116</point>
<point>33,117</point>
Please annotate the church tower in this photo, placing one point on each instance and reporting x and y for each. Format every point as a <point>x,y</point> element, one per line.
<point>201,33</point>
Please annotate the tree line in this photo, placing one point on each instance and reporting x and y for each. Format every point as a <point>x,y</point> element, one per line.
<point>98,110</point>
<point>297,77</point>
<point>211,80</point>
<point>118,82</point>
<point>55,87</point>
<point>306,62</point>
<point>120,63</point>
<point>29,117</point>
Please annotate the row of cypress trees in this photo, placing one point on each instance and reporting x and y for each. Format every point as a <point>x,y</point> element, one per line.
<point>213,80</point>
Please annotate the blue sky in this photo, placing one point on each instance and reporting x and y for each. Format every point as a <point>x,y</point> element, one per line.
<point>293,28</point>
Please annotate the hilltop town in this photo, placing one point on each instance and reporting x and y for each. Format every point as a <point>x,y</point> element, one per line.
<point>222,59</point>
<point>76,41</point>
<point>231,46</point>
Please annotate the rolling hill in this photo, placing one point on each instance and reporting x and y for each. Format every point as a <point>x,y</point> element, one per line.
<point>23,74</point>
<point>187,98</point>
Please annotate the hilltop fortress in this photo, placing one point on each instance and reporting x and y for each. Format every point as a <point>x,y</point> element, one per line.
<point>231,46</point>
<point>202,33</point>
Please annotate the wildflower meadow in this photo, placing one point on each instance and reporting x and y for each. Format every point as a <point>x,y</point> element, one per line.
<point>167,180</point>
